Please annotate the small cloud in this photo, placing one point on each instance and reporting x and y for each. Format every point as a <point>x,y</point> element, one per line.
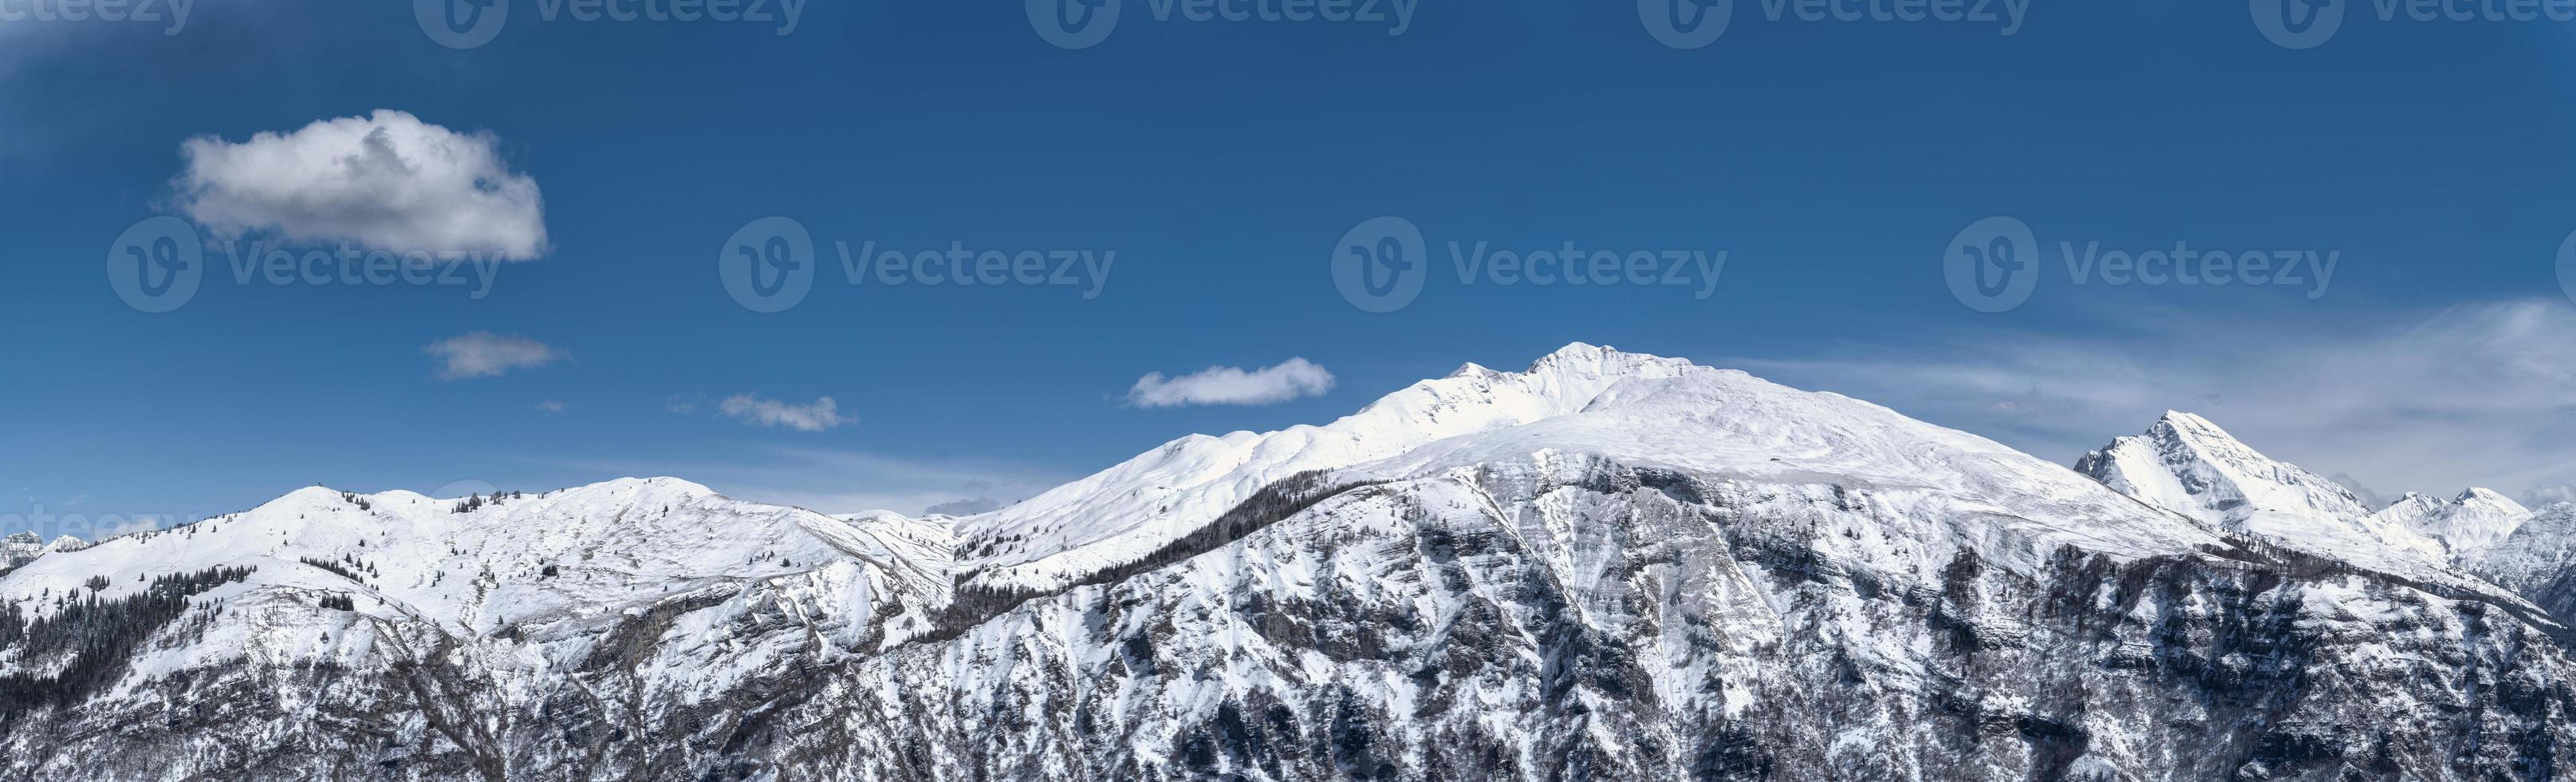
<point>553,406</point>
<point>682,404</point>
<point>965,507</point>
<point>819,415</point>
<point>387,181</point>
<point>1294,378</point>
<point>2544,496</point>
<point>484,354</point>
<point>2369,498</point>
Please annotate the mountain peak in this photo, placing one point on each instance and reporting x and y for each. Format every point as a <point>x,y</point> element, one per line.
<point>1601,360</point>
<point>2189,465</point>
<point>2414,501</point>
<point>2476,519</point>
<point>2485,497</point>
<point>1574,351</point>
<point>2192,427</point>
<point>1470,369</point>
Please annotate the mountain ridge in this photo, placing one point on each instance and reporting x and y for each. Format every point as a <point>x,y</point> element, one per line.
<point>1610,566</point>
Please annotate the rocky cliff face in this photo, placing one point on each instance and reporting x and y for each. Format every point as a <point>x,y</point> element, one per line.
<point>1610,567</point>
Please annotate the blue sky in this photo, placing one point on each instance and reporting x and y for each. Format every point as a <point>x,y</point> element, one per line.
<point>1834,164</point>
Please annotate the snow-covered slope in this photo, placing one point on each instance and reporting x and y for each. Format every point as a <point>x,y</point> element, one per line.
<point>1609,566</point>
<point>1581,399</point>
<point>21,548</point>
<point>1130,510</point>
<point>24,547</point>
<point>2538,559</point>
<point>2476,519</point>
<point>2187,465</point>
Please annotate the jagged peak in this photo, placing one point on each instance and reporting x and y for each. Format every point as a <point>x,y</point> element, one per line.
<point>1601,360</point>
<point>2190,465</point>
<point>2488,498</point>
<point>2414,500</point>
<point>2194,428</point>
<point>1470,369</point>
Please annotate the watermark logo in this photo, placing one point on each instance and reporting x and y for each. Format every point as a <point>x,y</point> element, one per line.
<point>172,15</point>
<point>39,528</point>
<point>1686,24</point>
<point>1074,24</point>
<point>2307,24</point>
<point>2297,24</point>
<point>768,266</point>
<point>157,265</point>
<point>461,24</point>
<point>468,24</point>
<point>1383,264</point>
<point>469,487</point>
<point>1380,265</point>
<point>1995,264</point>
<point>2567,266</point>
<point>771,264</point>
<point>1695,24</point>
<point>1082,24</point>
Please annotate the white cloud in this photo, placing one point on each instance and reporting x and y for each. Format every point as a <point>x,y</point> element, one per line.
<point>485,354</point>
<point>386,181</point>
<point>1294,378</point>
<point>553,406</point>
<point>967,507</point>
<point>2433,402</point>
<point>819,415</point>
<point>2541,496</point>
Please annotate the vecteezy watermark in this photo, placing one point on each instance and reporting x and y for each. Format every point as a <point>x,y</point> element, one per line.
<point>1381,265</point>
<point>770,264</point>
<point>2567,266</point>
<point>46,526</point>
<point>2307,24</point>
<point>1695,24</point>
<point>1082,24</point>
<point>1994,265</point>
<point>466,24</point>
<point>159,264</point>
<point>172,15</point>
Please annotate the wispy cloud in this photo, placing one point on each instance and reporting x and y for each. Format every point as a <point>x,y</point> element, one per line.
<point>2426,401</point>
<point>819,415</point>
<point>553,406</point>
<point>968,507</point>
<point>1291,379</point>
<point>485,354</point>
<point>387,181</point>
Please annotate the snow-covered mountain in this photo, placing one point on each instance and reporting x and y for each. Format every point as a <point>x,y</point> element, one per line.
<point>21,548</point>
<point>2538,559</point>
<point>24,547</point>
<point>2476,519</point>
<point>1610,566</point>
<point>2187,465</point>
